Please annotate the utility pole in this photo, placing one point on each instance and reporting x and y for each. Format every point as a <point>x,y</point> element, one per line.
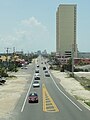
<point>13,53</point>
<point>73,60</point>
<point>7,49</point>
<point>13,49</point>
<point>13,57</point>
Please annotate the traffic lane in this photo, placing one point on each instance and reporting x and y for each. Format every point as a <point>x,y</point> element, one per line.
<point>30,69</point>
<point>64,112</point>
<point>35,111</point>
<point>39,112</point>
<point>17,110</point>
<point>57,114</point>
<point>69,101</point>
<point>58,85</point>
<point>68,110</point>
<point>32,111</point>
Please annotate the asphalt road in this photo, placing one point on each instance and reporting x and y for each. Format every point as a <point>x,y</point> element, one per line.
<point>54,102</point>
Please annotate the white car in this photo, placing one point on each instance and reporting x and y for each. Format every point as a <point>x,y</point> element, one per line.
<point>24,67</point>
<point>36,84</point>
<point>37,66</point>
<point>37,74</point>
<point>37,71</point>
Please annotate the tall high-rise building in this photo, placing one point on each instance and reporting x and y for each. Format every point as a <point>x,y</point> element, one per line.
<point>66,30</point>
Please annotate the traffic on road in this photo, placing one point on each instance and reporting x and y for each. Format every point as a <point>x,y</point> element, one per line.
<point>46,99</point>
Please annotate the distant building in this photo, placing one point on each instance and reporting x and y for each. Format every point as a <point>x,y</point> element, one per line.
<point>38,52</point>
<point>66,30</point>
<point>19,52</point>
<point>44,52</point>
<point>83,54</point>
<point>81,61</point>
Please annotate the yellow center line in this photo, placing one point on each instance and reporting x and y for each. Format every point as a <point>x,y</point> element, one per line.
<point>48,103</point>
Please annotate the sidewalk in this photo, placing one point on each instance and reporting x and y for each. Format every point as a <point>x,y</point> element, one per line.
<point>72,86</point>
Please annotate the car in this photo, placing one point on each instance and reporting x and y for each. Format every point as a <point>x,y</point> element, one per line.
<point>37,77</point>
<point>24,67</point>
<point>47,74</point>
<point>2,80</point>
<point>37,74</point>
<point>36,84</point>
<point>44,68</point>
<point>37,71</point>
<point>33,97</point>
<point>37,66</point>
<point>46,71</point>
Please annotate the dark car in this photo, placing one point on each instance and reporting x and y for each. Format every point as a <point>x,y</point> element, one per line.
<point>2,80</point>
<point>33,98</point>
<point>47,74</point>
<point>44,68</point>
<point>37,77</point>
<point>46,71</point>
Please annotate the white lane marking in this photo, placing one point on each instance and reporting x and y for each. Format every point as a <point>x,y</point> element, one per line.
<point>65,94</point>
<point>27,95</point>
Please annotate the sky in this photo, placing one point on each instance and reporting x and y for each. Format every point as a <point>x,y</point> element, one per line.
<point>30,25</point>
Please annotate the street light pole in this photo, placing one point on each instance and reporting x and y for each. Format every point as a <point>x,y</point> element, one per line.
<point>73,60</point>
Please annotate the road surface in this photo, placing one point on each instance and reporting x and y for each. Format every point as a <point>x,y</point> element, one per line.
<point>54,102</point>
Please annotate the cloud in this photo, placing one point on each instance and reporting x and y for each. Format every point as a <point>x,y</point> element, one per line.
<point>33,22</point>
<point>31,35</point>
<point>19,32</point>
<point>7,40</point>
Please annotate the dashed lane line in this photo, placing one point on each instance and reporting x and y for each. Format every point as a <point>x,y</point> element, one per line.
<point>27,95</point>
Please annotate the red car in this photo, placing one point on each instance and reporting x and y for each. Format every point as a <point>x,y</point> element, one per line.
<point>33,98</point>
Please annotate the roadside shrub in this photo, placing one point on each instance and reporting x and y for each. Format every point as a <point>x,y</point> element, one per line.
<point>3,72</point>
<point>71,75</point>
<point>88,103</point>
<point>86,70</point>
<point>15,70</point>
<point>12,67</point>
<point>50,67</point>
<point>76,70</point>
